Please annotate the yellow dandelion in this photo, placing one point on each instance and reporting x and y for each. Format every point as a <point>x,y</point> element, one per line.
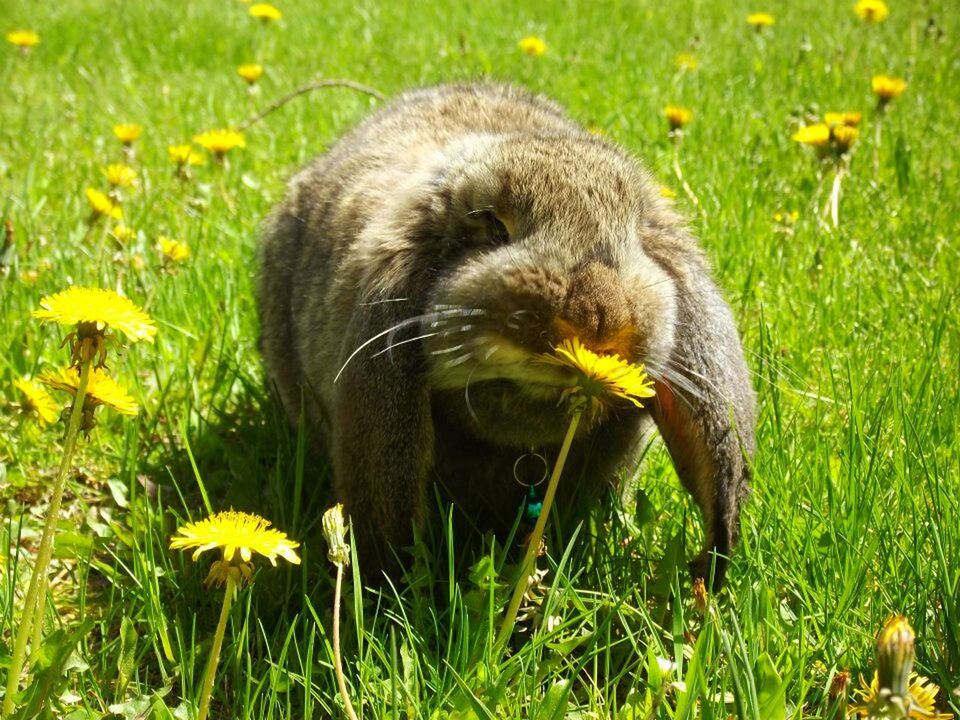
<point>101,388</point>
<point>844,136</point>
<point>127,133</point>
<point>237,534</point>
<point>123,233</point>
<point>120,175</point>
<point>686,61</point>
<point>184,155</point>
<point>37,401</point>
<point>760,20</point>
<point>23,39</point>
<point>817,135</point>
<point>668,193</point>
<point>103,205</point>
<point>874,11</point>
<point>250,72</point>
<point>220,142</point>
<point>532,45</point>
<point>265,12</point>
<point>600,376</point>
<point>850,119</point>
<point>677,116</point>
<point>102,308</point>
<point>887,88</point>
<point>173,250</point>
<point>874,702</point>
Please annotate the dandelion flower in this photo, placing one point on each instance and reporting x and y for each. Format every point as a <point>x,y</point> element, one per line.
<point>265,12</point>
<point>102,308</point>
<point>873,700</point>
<point>817,135</point>
<point>37,401</point>
<point>600,376</point>
<point>23,39</point>
<point>123,233</point>
<point>127,133</point>
<point>686,61</point>
<point>238,534</point>
<point>103,205</point>
<point>250,72</point>
<point>173,250</point>
<point>850,119</point>
<point>760,20</point>
<point>532,45</point>
<point>101,388</point>
<point>184,155</point>
<point>677,116</point>
<point>844,136</point>
<point>874,11</point>
<point>667,193</point>
<point>120,175</point>
<point>887,88</point>
<point>220,142</point>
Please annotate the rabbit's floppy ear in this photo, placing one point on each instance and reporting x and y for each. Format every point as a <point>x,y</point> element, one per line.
<point>706,415</point>
<point>382,429</point>
<point>382,436</point>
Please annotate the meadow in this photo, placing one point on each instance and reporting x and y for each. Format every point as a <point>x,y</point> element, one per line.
<point>849,316</point>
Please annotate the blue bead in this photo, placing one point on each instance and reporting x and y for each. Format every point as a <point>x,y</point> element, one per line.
<point>532,511</point>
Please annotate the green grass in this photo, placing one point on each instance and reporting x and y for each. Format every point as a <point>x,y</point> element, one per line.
<point>852,335</point>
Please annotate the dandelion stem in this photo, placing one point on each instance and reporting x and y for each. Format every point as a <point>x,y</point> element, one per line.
<point>337,658</point>
<point>533,545</point>
<point>40,612</point>
<point>211,672</point>
<point>682,180</point>
<point>35,601</point>
<point>835,196</point>
<point>877,137</point>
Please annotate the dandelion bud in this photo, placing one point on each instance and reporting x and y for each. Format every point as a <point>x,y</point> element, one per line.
<point>701,599</point>
<point>838,694</point>
<point>838,686</point>
<point>895,656</point>
<point>335,533</point>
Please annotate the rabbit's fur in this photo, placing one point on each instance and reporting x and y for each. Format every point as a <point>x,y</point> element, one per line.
<point>415,271</point>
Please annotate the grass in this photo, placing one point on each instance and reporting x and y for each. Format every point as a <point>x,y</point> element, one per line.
<point>851,333</point>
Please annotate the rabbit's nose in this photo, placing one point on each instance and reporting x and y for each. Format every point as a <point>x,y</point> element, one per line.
<point>596,310</point>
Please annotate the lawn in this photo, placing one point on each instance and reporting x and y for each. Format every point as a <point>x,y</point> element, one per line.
<point>850,325</point>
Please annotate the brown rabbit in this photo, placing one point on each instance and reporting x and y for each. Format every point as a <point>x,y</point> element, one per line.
<point>415,271</point>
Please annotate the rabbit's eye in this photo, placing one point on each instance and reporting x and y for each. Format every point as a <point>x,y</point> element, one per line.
<point>497,233</point>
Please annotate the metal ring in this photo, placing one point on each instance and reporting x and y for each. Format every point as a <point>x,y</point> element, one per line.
<point>546,469</point>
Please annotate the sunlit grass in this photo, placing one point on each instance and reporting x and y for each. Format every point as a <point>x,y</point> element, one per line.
<point>851,333</point>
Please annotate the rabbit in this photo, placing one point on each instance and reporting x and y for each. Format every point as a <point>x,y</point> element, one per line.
<point>412,275</point>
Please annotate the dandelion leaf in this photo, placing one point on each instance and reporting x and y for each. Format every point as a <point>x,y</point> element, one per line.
<point>771,689</point>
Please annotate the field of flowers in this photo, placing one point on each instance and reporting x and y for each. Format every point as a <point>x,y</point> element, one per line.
<point>810,144</point>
